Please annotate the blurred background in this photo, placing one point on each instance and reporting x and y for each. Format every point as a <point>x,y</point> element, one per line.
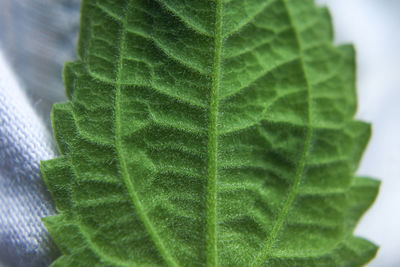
<point>38,36</point>
<point>373,27</point>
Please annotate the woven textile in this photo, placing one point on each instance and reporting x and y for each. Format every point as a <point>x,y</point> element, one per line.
<point>24,141</point>
<point>37,38</point>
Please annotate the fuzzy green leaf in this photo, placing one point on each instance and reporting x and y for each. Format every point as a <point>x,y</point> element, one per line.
<point>209,133</point>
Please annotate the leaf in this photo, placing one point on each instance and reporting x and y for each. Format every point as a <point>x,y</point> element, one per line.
<point>209,133</point>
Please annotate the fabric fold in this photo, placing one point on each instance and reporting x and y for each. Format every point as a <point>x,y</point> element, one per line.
<point>24,199</point>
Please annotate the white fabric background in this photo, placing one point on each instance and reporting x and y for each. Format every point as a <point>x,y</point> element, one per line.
<point>37,37</point>
<point>23,196</point>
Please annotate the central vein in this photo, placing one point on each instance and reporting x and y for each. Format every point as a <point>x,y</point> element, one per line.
<point>211,234</point>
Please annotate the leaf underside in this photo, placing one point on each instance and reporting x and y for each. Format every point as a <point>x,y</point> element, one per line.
<point>203,132</point>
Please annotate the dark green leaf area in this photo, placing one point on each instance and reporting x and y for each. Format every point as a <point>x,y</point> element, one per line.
<point>209,133</point>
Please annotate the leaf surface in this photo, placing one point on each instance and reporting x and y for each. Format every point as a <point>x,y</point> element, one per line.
<point>216,133</point>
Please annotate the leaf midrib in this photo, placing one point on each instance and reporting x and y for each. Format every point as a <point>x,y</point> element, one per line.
<point>166,255</point>
<point>211,204</point>
<point>212,150</point>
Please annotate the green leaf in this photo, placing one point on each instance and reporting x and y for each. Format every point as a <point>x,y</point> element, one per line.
<point>216,133</point>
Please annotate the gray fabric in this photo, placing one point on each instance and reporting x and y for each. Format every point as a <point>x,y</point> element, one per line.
<point>24,199</point>
<point>37,37</point>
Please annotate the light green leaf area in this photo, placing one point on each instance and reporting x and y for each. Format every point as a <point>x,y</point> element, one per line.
<point>209,133</point>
